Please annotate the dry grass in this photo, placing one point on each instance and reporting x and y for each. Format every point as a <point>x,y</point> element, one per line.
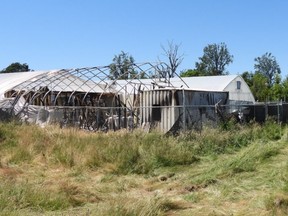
<point>69,172</point>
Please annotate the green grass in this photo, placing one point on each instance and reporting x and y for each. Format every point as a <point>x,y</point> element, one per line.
<point>16,196</point>
<point>240,170</point>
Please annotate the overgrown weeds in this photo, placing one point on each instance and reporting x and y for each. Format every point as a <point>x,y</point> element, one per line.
<point>277,204</point>
<point>72,168</point>
<point>135,152</point>
<point>124,205</point>
<point>24,195</point>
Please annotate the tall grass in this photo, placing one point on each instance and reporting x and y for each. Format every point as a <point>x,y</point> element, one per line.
<point>15,196</point>
<point>126,206</point>
<point>230,153</point>
<point>127,152</point>
<point>247,160</point>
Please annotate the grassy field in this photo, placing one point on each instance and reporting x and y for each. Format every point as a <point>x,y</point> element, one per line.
<point>239,170</point>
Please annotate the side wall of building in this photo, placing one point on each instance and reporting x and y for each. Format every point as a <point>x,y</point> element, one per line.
<point>168,110</point>
<point>239,91</point>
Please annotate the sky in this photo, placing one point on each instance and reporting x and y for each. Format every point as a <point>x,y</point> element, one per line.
<point>56,34</point>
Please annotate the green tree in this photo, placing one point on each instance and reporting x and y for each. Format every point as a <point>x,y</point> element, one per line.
<point>260,88</point>
<point>16,67</point>
<point>268,66</point>
<point>277,90</point>
<point>285,89</point>
<point>248,77</point>
<point>191,73</point>
<point>214,60</point>
<point>122,67</point>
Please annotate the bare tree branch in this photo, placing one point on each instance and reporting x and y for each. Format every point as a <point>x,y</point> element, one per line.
<point>174,58</point>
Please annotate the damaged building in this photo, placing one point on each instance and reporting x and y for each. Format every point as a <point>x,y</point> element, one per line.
<point>90,99</point>
<point>189,102</point>
<point>172,109</point>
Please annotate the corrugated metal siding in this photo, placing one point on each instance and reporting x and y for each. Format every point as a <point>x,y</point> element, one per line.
<point>168,104</point>
<point>200,107</point>
<point>162,100</point>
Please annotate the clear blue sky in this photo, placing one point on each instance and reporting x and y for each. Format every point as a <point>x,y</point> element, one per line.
<point>54,34</point>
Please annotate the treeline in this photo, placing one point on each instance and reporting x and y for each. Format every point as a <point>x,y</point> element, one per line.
<point>16,67</point>
<point>265,81</point>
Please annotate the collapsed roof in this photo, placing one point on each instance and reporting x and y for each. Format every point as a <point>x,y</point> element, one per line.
<point>98,80</point>
<point>82,80</point>
<point>92,98</point>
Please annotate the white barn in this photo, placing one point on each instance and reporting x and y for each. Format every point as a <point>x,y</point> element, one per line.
<point>239,91</point>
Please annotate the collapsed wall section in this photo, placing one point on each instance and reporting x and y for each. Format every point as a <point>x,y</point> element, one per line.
<point>88,98</point>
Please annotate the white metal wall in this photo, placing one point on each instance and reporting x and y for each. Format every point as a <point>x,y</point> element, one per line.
<point>165,101</point>
<point>171,103</point>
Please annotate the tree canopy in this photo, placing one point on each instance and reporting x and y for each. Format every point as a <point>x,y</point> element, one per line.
<point>191,73</point>
<point>267,66</point>
<point>122,67</point>
<point>16,67</point>
<point>262,91</point>
<point>259,87</point>
<point>248,77</point>
<point>214,60</point>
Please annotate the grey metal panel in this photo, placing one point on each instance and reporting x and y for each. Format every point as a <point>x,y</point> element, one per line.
<point>162,98</point>
<point>141,108</point>
<point>170,101</point>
